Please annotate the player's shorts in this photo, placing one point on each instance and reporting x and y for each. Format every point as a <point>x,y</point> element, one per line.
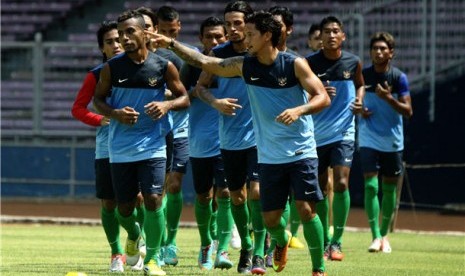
<point>386,163</point>
<point>339,153</point>
<point>169,150</point>
<point>207,172</point>
<point>240,166</point>
<point>103,183</point>
<point>277,180</point>
<point>147,176</point>
<point>180,155</point>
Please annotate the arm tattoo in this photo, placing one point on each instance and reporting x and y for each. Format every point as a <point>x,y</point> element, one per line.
<point>231,62</point>
<point>192,57</point>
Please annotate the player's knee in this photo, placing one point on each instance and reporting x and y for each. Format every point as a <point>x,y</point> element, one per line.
<point>371,186</point>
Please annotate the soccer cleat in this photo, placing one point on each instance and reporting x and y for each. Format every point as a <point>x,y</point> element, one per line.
<point>385,245</point>
<point>269,260</point>
<point>336,252</point>
<point>280,255</point>
<point>375,245</point>
<point>117,263</point>
<point>142,247</point>
<point>245,262</point>
<point>222,260</point>
<point>159,257</point>
<point>132,251</point>
<point>139,266</point>
<point>169,255</point>
<point>205,257</point>
<point>151,268</point>
<point>235,238</point>
<point>327,252</point>
<point>258,265</point>
<point>296,243</point>
<point>319,273</point>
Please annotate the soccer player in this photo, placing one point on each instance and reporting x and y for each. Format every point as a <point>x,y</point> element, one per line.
<point>108,41</point>
<point>275,82</point>
<point>205,156</point>
<point>341,72</point>
<point>381,138</point>
<point>314,38</point>
<point>137,130</point>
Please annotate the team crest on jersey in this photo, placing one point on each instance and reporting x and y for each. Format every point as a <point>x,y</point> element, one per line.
<point>346,74</point>
<point>282,81</point>
<point>153,81</point>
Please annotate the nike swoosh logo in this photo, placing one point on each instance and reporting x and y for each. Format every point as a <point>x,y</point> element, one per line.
<point>180,165</point>
<point>254,79</point>
<point>367,86</point>
<point>397,172</point>
<point>307,193</point>
<point>122,80</point>
<point>348,160</point>
<point>321,75</point>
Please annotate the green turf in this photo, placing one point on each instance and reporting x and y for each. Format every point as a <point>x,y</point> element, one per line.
<point>56,250</point>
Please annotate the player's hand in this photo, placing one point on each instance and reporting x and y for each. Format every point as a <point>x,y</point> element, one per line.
<point>288,116</point>
<point>126,115</point>
<point>331,90</point>
<point>157,110</point>
<point>366,113</point>
<point>384,91</point>
<point>158,40</point>
<point>105,121</point>
<point>226,106</point>
<point>356,106</point>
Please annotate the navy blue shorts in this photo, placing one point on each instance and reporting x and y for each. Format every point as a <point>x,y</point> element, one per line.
<point>103,183</point>
<point>339,153</point>
<point>180,156</point>
<point>386,163</point>
<point>278,180</point>
<point>207,172</point>
<point>169,150</point>
<point>147,176</point>
<point>240,167</point>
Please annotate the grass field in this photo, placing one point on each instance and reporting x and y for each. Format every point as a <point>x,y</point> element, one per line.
<point>56,249</point>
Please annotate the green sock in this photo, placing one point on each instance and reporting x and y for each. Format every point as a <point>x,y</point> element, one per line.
<point>285,216</point>
<point>341,206</point>
<point>278,233</point>
<point>294,219</point>
<point>388,206</point>
<point>287,211</point>
<point>372,205</point>
<point>111,227</point>
<point>322,209</point>
<point>272,246</point>
<point>313,232</point>
<point>214,225</point>
<point>163,207</point>
<point>154,224</point>
<point>140,218</point>
<point>241,218</point>
<point>259,230</point>
<point>202,216</point>
<point>173,215</point>
<point>225,222</point>
<point>129,224</point>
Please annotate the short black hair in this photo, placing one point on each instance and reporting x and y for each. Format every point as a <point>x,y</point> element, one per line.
<point>149,12</point>
<point>286,14</point>
<point>331,19</point>
<point>167,13</point>
<point>104,28</point>
<point>383,36</point>
<point>132,14</point>
<point>211,21</point>
<point>265,22</point>
<point>313,28</point>
<point>238,6</point>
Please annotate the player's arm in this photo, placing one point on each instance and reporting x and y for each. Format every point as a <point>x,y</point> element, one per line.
<point>180,99</point>
<point>229,67</point>
<point>84,96</point>
<point>403,104</point>
<point>359,82</point>
<point>126,115</point>
<point>318,100</point>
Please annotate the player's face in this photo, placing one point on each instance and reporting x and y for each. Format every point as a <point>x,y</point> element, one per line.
<point>284,31</point>
<point>254,39</point>
<point>131,35</point>
<point>235,25</point>
<point>111,44</point>
<point>169,28</point>
<point>149,24</point>
<point>332,36</point>
<point>314,41</point>
<point>380,53</point>
<point>212,36</point>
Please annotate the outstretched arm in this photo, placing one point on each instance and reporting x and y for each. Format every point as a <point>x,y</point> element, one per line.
<point>229,67</point>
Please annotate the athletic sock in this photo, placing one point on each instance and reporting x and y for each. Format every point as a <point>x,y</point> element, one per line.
<point>372,205</point>
<point>173,215</point>
<point>313,232</point>
<point>341,206</point>
<point>259,230</point>
<point>129,224</point>
<point>154,224</point>
<point>111,227</point>
<point>202,216</point>
<point>140,218</point>
<point>294,220</point>
<point>388,206</point>
<point>279,234</point>
<point>163,230</point>
<point>322,209</point>
<point>214,225</point>
<point>241,218</point>
<point>225,222</point>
